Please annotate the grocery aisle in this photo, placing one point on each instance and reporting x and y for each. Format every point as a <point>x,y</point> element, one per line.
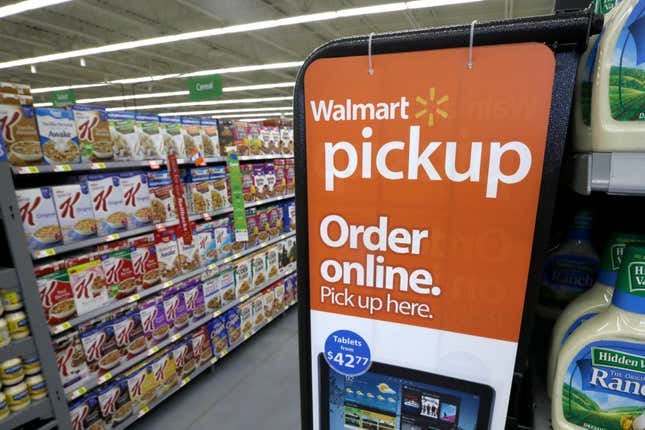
<point>256,386</point>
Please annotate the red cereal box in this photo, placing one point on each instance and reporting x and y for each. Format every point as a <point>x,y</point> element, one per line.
<point>56,295</point>
<point>119,273</point>
<point>201,346</point>
<point>144,260</point>
<point>88,283</point>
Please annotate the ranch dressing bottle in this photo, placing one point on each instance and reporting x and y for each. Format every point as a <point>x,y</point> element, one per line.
<point>600,376</point>
<point>618,108</point>
<point>570,270</point>
<point>592,301</point>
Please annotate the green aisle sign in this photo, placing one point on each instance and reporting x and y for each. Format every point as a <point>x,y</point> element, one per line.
<point>205,87</point>
<point>239,211</point>
<point>63,98</point>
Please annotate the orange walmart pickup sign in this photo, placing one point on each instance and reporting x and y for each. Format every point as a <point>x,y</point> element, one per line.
<point>423,183</point>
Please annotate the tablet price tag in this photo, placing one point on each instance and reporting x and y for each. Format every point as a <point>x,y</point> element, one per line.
<point>347,353</point>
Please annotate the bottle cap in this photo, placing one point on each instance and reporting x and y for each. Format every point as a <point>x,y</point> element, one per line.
<point>630,286</point>
<point>613,255</point>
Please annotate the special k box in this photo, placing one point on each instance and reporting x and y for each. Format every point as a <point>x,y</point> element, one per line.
<point>109,205</point>
<point>75,212</point>
<point>56,293</point>
<point>422,187</point>
<point>93,133</point>
<point>19,131</point>
<point>136,198</point>
<point>38,215</point>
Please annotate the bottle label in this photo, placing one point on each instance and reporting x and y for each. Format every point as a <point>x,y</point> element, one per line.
<point>604,6</point>
<point>577,323</point>
<point>604,387</point>
<point>567,276</point>
<point>627,75</point>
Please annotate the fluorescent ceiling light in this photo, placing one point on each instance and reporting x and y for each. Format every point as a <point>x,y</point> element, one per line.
<point>240,28</point>
<point>216,111</point>
<point>24,6</point>
<point>250,115</point>
<point>204,103</point>
<point>258,87</point>
<point>222,71</point>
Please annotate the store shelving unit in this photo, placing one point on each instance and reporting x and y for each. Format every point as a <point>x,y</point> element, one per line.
<point>610,172</point>
<point>22,277</point>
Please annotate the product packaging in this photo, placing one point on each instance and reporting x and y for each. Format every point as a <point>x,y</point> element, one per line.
<point>58,136</point>
<point>93,133</point>
<point>38,215</point>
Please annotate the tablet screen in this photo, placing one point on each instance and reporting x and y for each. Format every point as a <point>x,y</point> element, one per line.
<point>377,401</point>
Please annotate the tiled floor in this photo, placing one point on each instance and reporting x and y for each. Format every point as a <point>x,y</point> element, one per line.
<point>255,387</point>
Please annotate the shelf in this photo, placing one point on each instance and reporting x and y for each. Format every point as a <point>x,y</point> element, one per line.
<point>60,328</point>
<point>8,278</point>
<point>18,348</point>
<point>37,409</point>
<point>50,252</point>
<point>122,165</point>
<point>141,412</point>
<point>79,388</point>
<point>620,173</point>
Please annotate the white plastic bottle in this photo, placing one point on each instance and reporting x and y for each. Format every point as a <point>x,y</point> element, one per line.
<point>599,379</point>
<point>571,269</point>
<point>591,302</point>
<point>618,98</point>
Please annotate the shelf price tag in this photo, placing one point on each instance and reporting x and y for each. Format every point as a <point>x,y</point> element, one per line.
<point>167,284</point>
<point>212,266</point>
<point>78,392</point>
<point>111,237</point>
<point>216,314</point>
<point>160,227</point>
<point>104,378</point>
<point>62,327</point>
<point>206,216</point>
<point>62,168</point>
<point>28,170</point>
<point>45,253</point>
<point>144,410</point>
<point>175,337</point>
<point>244,297</point>
<point>134,298</point>
<point>97,166</point>
<point>153,350</point>
<point>154,164</point>
<point>185,381</point>
<point>213,360</point>
<point>247,335</point>
<point>224,352</point>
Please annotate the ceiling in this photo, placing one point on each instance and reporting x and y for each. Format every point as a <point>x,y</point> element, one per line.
<point>88,23</point>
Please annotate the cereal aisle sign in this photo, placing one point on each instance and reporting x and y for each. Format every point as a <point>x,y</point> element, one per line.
<point>422,188</point>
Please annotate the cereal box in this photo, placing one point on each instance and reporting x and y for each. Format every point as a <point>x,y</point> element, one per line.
<point>259,268</point>
<point>280,168</point>
<point>203,237</point>
<point>291,288</point>
<point>275,221</point>
<point>290,175</point>
<point>144,260</point>
<point>243,276</point>
<point>150,136</point>
<point>175,309</point>
<point>226,139</point>
<point>212,294</point>
<point>194,301</point>
<point>288,254</point>
<point>240,137</point>
<point>75,212</point>
<point>219,339</point>
<point>233,327</point>
<point>182,355</point>
<point>56,295</point>
<point>253,139</point>
<point>119,274</point>
<point>19,131</point>
<point>167,255</point>
<point>210,137</point>
<point>93,133</point>
<point>153,320</point>
<point>246,318</point>
<point>109,205</point>
<point>188,253</point>
<point>269,180</point>
<point>141,385</point>
<point>88,284</point>
<point>124,137</point>
<point>38,215</point>
<point>101,351</point>
<point>268,298</point>
<point>86,414</point>
<point>270,138</point>
<point>219,188</point>
<point>199,190</point>
<point>258,310</point>
<point>167,364</point>
<point>289,216</point>
<point>259,181</point>
<point>286,137</point>
<point>58,136</point>
<point>275,138</point>
<point>262,220</point>
<point>278,301</point>
<point>272,261</point>
<point>223,237</point>
<point>192,135</point>
<point>128,332</point>
<point>70,358</point>
<point>114,402</point>
<point>159,374</point>
<point>136,197</point>
<point>173,140</point>
<point>226,281</point>
<point>248,186</point>
<point>201,346</point>
<point>162,199</point>
<point>252,226</point>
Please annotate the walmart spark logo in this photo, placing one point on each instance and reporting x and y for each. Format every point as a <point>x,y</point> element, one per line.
<point>431,107</point>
